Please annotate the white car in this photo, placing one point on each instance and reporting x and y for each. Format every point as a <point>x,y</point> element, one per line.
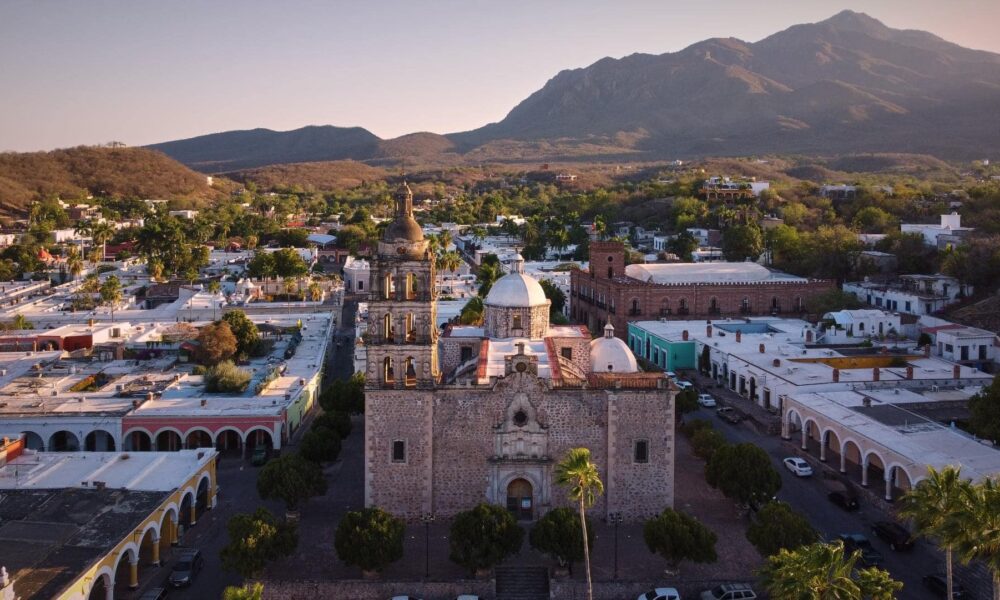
<point>798,466</point>
<point>706,400</point>
<point>683,385</point>
<point>661,594</point>
<point>670,374</point>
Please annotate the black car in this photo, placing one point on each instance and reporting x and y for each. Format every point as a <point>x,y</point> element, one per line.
<point>938,585</point>
<point>187,567</point>
<point>843,500</point>
<point>894,534</point>
<point>728,414</point>
<point>870,557</point>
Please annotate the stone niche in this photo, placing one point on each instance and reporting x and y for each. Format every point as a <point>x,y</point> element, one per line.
<point>520,436</point>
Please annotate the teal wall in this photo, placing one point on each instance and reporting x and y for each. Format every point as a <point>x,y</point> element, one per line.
<point>668,355</point>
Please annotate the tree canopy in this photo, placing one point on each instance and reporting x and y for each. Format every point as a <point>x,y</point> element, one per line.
<point>370,539</point>
<point>255,539</point>
<point>484,536</point>
<point>677,537</point>
<point>744,473</point>
<point>560,535</point>
<point>776,526</point>
<point>291,479</point>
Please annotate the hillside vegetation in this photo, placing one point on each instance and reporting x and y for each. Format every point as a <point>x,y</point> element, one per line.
<point>75,173</point>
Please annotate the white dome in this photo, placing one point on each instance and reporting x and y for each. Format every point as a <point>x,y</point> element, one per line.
<point>516,290</point>
<point>609,354</point>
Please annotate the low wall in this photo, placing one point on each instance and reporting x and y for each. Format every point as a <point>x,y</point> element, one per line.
<point>572,589</point>
<point>355,589</point>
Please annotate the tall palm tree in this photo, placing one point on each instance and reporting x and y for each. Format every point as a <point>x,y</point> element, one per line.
<point>111,293</point>
<point>933,505</point>
<point>449,261</point>
<point>315,292</point>
<point>74,263</point>
<point>101,233</point>
<point>577,472</point>
<point>979,517</point>
<point>824,572</point>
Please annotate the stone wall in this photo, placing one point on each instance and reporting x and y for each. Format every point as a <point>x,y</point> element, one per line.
<point>499,321</point>
<point>374,590</point>
<point>451,351</point>
<point>460,465</point>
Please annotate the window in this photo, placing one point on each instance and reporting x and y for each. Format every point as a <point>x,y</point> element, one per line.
<point>361,285</point>
<point>516,322</point>
<point>387,328</point>
<point>949,348</point>
<point>411,328</point>
<point>466,353</point>
<point>398,451</point>
<point>641,451</point>
<point>908,308</point>
<point>566,353</point>
<point>411,286</point>
<point>611,272</point>
<point>410,372</point>
<point>388,376</point>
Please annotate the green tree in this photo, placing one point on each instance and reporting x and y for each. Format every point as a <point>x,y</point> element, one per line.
<point>741,242</point>
<point>872,219</point>
<point>291,479</point>
<point>978,517</point>
<point>216,343</point>
<point>984,409</point>
<point>776,527</point>
<point>489,272</point>
<point>823,572</point>
<point>933,504</point>
<point>250,591</point>
<point>555,295</point>
<point>683,244</point>
<point>320,444</point>
<point>484,537</point>
<point>247,334</point>
<point>577,472</point>
<point>831,301</point>
<point>370,539</point>
<point>288,263</point>
<point>686,401</point>
<point>21,323</point>
<point>226,378</point>
<point>449,261</point>
<point>743,472</point>
<point>677,537</point>
<point>111,293</point>
<point>261,266</point>
<point>338,422</point>
<point>706,441</point>
<point>255,539</point>
<point>559,535</point>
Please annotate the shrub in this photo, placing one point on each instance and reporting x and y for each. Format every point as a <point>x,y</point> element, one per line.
<point>484,536</point>
<point>743,473</point>
<point>778,527</point>
<point>690,427</point>
<point>226,377</point>
<point>290,478</point>
<point>255,539</point>
<point>370,539</point>
<point>677,537</point>
<point>559,535</point>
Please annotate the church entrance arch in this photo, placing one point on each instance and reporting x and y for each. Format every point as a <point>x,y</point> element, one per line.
<point>520,500</point>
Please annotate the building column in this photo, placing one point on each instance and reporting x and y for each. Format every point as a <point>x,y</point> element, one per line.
<point>805,438</point>
<point>194,512</point>
<point>172,525</point>
<point>133,573</point>
<point>156,551</point>
<point>822,449</point>
<point>843,461</point>
<point>785,426</point>
<point>888,488</point>
<point>864,474</point>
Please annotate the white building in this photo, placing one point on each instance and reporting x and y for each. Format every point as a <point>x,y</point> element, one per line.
<point>950,227</point>
<point>913,294</point>
<point>357,275</point>
<point>854,326</point>
<point>965,345</point>
<point>183,214</point>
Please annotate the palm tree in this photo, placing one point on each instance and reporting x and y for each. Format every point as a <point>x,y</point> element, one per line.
<point>102,232</point>
<point>579,473</point>
<point>449,261</point>
<point>251,242</point>
<point>74,263</point>
<point>979,517</point>
<point>155,268</point>
<point>824,572</point>
<point>933,504</point>
<point>21,322</point>
<point>444,239</point>
<point>315,292</point>
<point>111,293</point>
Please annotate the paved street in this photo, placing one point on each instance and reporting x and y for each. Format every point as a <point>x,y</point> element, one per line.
<point>808,496</point>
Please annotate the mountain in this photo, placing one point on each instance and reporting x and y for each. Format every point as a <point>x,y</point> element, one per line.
<point>847,84</point>
<point>234,150</point>
<point>78,172</point>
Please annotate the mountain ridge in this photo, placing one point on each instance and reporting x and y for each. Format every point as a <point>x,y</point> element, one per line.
<point>846,84</point>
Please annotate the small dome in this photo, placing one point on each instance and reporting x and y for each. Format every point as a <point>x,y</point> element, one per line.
<point>609,354</point>
<point>516,290</point>
<point>403,228</point>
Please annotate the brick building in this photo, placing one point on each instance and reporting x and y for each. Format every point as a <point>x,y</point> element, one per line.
<point>612,292</point>
<point>483,413</point>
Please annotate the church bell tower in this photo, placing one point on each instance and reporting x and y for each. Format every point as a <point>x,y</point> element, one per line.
<point>402,310</point>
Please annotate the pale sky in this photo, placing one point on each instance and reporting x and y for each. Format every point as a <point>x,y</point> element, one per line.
<point>143,71</point>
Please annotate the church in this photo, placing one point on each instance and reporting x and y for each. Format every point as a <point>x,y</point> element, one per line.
<point>483,413</point>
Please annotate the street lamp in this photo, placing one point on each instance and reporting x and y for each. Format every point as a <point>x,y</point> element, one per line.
<point>615,518</point>
<point>427,519</point>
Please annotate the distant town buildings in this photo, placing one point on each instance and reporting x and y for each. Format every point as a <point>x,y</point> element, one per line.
<point>944,235</point>
<point>912,294</point>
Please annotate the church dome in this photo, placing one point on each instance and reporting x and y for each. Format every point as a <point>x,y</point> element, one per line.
<point>403,228</point>
<point>516,290</point>
<point>609,354</point>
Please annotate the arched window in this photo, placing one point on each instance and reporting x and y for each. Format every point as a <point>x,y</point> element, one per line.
<point>388,286</point>
<point>388,376</point>
<point>411,286</point>
<point>388,328</point>
<point>411,372</point>
<point>682,306</point>
<point>411,328</point>
<point>775,305</point>
<point>713,305</point>
<point>611,272</point>
<point>634,310</point>
<point>516,322</point>
<point>745,305</point>
<point>665,307</point>
<point>798,303</point>
<point>647,348</point>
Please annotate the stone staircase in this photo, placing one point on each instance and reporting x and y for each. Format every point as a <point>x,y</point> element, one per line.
<point>522,583</point>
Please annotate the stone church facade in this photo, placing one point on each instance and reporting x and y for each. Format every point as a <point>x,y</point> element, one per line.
<point>444,435</point>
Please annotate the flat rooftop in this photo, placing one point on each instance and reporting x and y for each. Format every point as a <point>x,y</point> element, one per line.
<point>710,272</point>
<point>52,528</point>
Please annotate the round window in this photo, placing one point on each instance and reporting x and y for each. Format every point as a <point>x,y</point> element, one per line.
<point>611,258</point>
<point>520,418</point>
<point>521,367</point>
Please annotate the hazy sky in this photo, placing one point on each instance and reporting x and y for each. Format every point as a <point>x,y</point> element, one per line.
<point>143,71</point>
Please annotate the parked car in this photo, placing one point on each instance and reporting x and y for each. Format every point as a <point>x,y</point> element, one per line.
<point>798,466</point>
<point>260,456</point>
<point>729,591</point>
<point>410,597</point>
<point>844,500</point>
<point>154,594</point>
<point>937,583</point>
<point>894,534</point>
<point>728,414</point>
<point>683,384</point>
<point>706,400</point>
<point>670,374</point>
<point>189,564</point>
<point>661,594</point>
<point>870,557</point>
<point>467,597</point>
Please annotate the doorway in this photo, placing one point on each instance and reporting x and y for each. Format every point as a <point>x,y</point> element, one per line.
<point>519,499</point>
